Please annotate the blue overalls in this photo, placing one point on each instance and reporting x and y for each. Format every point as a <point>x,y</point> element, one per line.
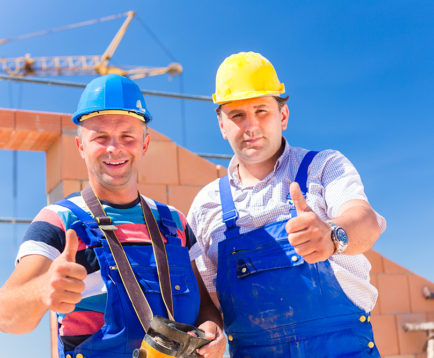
<point>277,305</point>
<point>122,332</point>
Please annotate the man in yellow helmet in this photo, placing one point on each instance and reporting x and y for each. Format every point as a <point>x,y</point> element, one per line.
<point>280,239</point>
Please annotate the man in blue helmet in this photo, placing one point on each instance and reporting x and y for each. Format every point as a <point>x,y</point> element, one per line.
<point>78,276</point>
<point>281,237</point>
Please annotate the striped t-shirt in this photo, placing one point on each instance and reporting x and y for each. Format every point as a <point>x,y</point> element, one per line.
<point>46,236</point>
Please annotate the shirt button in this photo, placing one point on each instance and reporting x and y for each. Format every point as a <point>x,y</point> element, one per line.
<point>369,318</point>
<point>79,355</point>
<point>243,270</point>
<point>230,338</point>
<point>177,287</point>
<point>68,356</point>
<point>294,258</point>
<point>371,344</point>
<point>362,319</point>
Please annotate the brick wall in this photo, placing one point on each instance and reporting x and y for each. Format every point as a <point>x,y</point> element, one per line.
<point>173,175</point>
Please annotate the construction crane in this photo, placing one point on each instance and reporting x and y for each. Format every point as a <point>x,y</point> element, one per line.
<point>80,65</point>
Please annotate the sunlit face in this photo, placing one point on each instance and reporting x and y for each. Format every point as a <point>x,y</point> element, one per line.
<point>254,128</point>
<point>112,147</point>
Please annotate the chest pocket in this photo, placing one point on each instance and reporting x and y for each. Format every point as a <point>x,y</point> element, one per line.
<point>278,254</point>
<point>148,280</point>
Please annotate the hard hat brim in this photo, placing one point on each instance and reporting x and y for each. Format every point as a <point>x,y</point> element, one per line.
<point>246,95</point>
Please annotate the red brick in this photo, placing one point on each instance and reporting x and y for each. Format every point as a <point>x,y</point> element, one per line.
<point>392,267</point>
<point>221,171</point>
<point>157,136</point>
<point>53,335</point>
<point>394,293</point>
<point>73,165</point>
<point>37,121</point>
<point>64,162</point>
<point>411,342</point>
<point>5,137</point>
<point>7,119</point>
<point>194,170</point>
<point>154,191</point>
<point>385,334</point>
<point>418,302</point>
<point>374,282</point>
<point>160,165</point>
<point>181,196</point>
<point>376,261</point>
<point>70,186</point>
<point>83,184</point>
<point>66,124</point>
<point>53,162</point>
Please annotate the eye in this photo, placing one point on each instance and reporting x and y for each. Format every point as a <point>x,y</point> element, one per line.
<point>236,116</point>
<point>99,138</point>
<point>128,136</point>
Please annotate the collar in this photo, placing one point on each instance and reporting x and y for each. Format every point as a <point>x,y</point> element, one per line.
<point>234,176</point>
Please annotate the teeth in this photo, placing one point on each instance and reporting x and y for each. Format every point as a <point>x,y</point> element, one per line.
<point>116,163</point>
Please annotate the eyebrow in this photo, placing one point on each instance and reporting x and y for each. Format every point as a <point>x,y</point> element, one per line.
<point>241,110</point>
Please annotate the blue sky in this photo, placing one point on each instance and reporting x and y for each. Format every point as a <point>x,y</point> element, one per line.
<point>359,74</point>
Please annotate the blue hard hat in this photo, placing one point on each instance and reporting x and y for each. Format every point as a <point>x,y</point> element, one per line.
<point>111,92</point>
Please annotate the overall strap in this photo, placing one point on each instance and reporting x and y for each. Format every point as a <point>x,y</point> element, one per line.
<point>85,227</point>
<point>132,287</point>
<point>168,225</point>
<point>229,212</point>
<point>301,179</point>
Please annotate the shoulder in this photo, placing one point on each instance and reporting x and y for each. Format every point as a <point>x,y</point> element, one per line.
<point>177,215</point>
<point>326,165</point>
<point>207,198</point>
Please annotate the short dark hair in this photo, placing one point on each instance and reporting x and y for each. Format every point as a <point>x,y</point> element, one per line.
<point>280,103</point>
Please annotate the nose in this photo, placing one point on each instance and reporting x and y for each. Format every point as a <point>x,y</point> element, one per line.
<point>113,146</point>
<point>251,122</point>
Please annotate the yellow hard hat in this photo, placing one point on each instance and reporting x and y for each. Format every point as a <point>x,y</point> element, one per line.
<point>246,75</point>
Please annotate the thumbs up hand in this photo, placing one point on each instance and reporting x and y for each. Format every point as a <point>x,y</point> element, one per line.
<point>310,236</point>
<point>64,279</point>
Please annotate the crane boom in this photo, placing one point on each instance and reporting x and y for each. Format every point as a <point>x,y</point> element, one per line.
<point>81,65</point>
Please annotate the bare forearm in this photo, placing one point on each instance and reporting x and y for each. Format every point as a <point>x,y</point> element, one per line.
<point>20,307</point>
<point>360,222</point>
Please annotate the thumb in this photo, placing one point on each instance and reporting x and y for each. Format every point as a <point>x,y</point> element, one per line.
<point>298,198</point>
<point>71,246</point>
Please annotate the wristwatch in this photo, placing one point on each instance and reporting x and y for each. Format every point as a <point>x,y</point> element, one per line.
<point>339,237</point>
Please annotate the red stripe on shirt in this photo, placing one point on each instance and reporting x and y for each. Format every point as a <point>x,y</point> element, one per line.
<point>81,323</point>
<point>51,217</point>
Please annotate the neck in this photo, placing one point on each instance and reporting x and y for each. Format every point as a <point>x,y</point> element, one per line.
<point>115,195</point>
<point>252,173</point>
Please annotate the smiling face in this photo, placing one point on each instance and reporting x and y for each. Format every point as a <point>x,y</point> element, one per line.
<point>254,128</point>
<point>112,147</point>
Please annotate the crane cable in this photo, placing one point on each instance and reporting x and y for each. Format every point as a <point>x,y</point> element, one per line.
<point>62,28</point>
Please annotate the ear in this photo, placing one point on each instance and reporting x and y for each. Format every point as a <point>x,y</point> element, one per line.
<point>79,144</point>
<point>284,112</point>
<point>222,130</point>
<point>146,143</point>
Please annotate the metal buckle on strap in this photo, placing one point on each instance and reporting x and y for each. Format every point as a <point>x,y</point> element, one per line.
<point>230,215</point>
<point>105,223</point>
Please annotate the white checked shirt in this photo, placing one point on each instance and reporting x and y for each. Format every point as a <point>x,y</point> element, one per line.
<point>332,181</point>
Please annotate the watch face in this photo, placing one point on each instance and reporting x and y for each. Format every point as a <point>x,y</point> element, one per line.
<point>341,235</point>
